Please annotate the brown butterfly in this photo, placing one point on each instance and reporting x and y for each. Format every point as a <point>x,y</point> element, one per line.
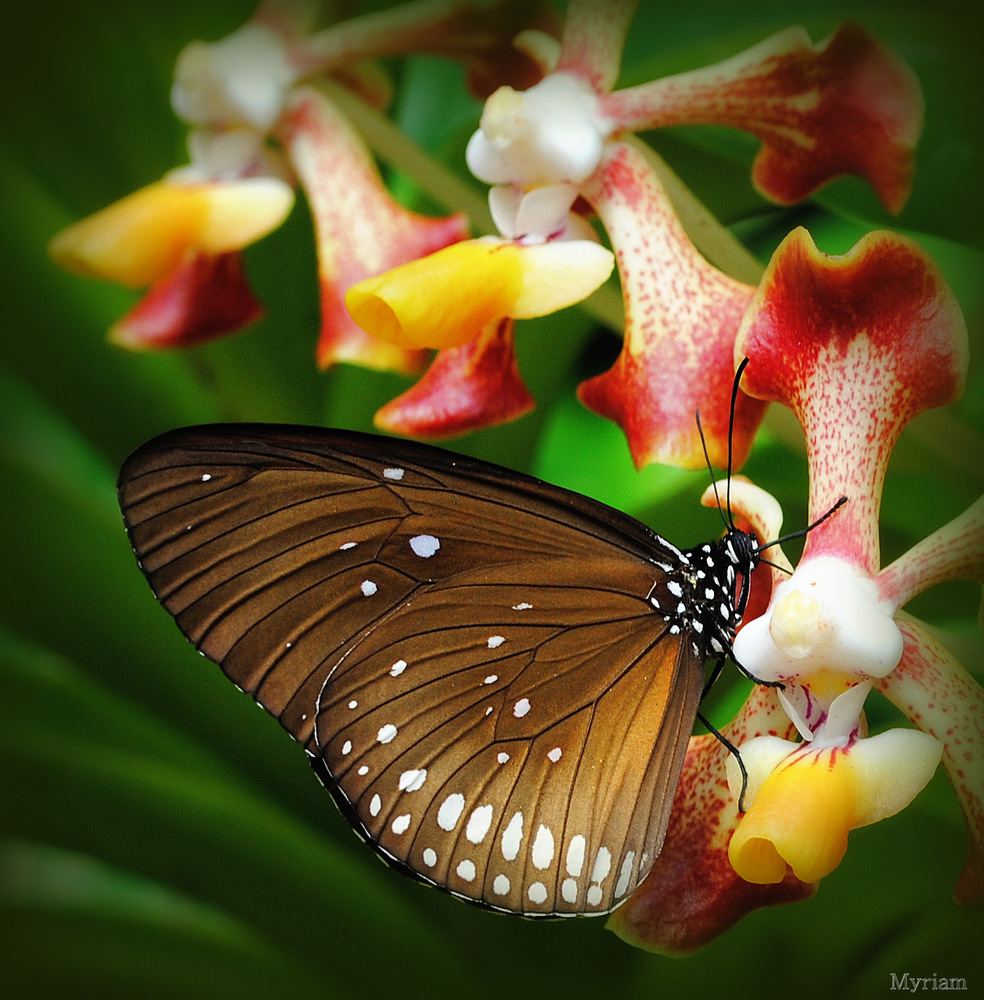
<point>496,678</point>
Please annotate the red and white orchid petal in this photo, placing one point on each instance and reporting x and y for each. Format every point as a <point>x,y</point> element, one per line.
<point>811,797</point>
<point>452,296</point>
<point>953,552</point>
<point>361,230</point>
<point>593,38</point>
<point>479,35</point>
<point>847,105</point>
<point>855,345</point>
<point>693,893</point>
<point>146,236</point>
<point>466,388</point>
<point>935,692</point>
<point>681,316</point>
<point>205,297</point>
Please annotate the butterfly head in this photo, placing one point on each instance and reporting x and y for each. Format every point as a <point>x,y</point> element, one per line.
<point>717,579</point>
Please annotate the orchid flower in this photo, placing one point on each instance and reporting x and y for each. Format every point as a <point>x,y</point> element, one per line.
<point>564,145</point>
<point>261,122</point>
<point>855,346</point>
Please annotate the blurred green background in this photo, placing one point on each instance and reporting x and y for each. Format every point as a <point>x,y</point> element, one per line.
<point>161,836</point>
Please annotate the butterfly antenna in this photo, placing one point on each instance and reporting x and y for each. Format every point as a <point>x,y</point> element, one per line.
<point>804,531</point>
<point>710,469</point>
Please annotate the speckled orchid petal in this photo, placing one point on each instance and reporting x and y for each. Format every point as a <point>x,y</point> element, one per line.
<point>952,552</point>
<point>145,236</point>
<point>941,698</point>
<point>681,316</point>
<point>594,34</point>
<point>361,230</point>
<point>847,105</point>
<point>478,34</point>
<point>450,297</point>
<point>693,893</point>
<point>811,796</point>
<point>466,388</point>
<point>205,297</point>
<point>855,345</point>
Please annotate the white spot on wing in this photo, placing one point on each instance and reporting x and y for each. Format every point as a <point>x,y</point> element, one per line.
<point>398,668</point>
<point>346,748</point>
<point>502,757</point>
<point>353,704</point>
<point>206,476</point>
<point>363,771</point>
<point>673,586</point>
<point>478,824</point>
<point>491,679</point>
<point>523,606</point>
<point>495,641</point>
<point>537,893</point>
<point>368,588</point>
<point>430,857</point>
<point>575,856</point>
<point>450,811</point>
<point>401,824</point>
<point>424,545</point>
<point>410,781</point>
<point>375,805</point>
<point>501,885</point>
<point>345,546</point>
<point>625,873</point>
<point>394,474</point>
<point>466,870</point>
<point>521,707</point>
<point>568,890</point>
<point>600,871</point>
<point>543,848</point>
<point>386,733</point>
<point>512,837</point>
<point>555,754</point>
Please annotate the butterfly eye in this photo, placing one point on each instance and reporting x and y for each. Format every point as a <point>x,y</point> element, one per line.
<point>495,678</point>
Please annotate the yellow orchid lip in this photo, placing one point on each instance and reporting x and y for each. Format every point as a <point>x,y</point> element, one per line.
<point>143,237</point>
<point>447,298</point>
<point>812,797</point>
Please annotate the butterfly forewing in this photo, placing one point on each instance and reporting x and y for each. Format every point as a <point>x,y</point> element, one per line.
<point>472,658</point>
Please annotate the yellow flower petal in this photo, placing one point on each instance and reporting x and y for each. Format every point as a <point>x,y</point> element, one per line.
<point>801,813</point>
<point>239,213</point>
<point>136,240</point>
<point>447,298</point>
<point>143,237</point>
<point>800,817</point>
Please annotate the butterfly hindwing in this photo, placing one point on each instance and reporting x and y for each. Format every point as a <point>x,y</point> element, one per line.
<point>470,656</point>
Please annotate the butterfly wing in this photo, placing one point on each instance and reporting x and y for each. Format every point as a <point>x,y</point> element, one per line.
<point>470,656</point>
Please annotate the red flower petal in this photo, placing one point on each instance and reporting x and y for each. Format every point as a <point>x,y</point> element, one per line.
<point>466,388</point>
<point>681,316</point>
<point>206,296</point>
<point>847,105</point>
<point>855,346</point>
<point>361,231</point>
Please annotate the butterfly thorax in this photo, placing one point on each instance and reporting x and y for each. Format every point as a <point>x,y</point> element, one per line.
<point>707,592</point>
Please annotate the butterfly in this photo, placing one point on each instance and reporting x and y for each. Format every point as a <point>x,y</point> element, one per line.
<point>495,678</point>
